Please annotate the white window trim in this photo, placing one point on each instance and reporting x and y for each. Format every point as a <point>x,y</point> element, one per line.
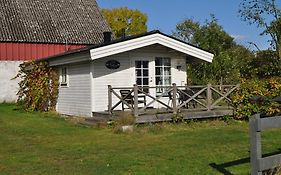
<point>64,84</point>
<point>163,73</point>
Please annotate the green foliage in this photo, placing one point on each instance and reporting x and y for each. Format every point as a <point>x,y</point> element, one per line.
<point>267,16</point>
<point>229,58</point>
<point>270,88</point>
<point>119,19</point>
<point>177,118</point>
<point>38,88</point>
<point>263,65</point>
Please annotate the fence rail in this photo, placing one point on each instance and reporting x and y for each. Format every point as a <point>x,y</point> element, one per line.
<point>207,97</point>
<point>257,125</point>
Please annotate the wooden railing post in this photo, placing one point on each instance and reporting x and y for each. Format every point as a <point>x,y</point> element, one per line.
<point>209,96</point>
<point>174,99</point>
<point>136,100</point>
<point>255,144</point>
<point>109,99</point>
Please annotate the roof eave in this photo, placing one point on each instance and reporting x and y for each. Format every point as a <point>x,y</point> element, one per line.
<point>155,38</point>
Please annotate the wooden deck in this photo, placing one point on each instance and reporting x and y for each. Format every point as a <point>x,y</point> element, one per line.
<point>166,117</point>
<point>188,102</point>
<point>154,116</point>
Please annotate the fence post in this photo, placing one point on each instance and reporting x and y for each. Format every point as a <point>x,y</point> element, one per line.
<point>209,96</point>
<point>109,99</point>
<point>255,144</point>
<point>136,100</point>
<point>174,99</point>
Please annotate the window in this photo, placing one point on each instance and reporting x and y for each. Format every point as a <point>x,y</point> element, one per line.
<point>142,74</point>
<point>63,76</point>
<point>162,74</point>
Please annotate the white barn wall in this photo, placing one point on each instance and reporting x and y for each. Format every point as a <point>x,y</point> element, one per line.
<point>8,87</point>
<point>76,98</point>
<point>125,75</point>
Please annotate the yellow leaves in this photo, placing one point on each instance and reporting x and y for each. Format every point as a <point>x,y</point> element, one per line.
<point>269,88</point>
<point>38,86</point>
<point>132,21</point>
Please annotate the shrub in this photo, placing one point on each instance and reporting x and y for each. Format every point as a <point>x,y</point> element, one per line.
<point>38,88</point>
<point>269,88</point>
<point>123,120</point>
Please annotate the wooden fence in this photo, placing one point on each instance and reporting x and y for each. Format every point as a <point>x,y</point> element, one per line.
<point>206,97</point>
<point>257,125</point>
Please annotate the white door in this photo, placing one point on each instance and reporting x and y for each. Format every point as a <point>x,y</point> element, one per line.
<point>151,72</point>
<point>143,75</point>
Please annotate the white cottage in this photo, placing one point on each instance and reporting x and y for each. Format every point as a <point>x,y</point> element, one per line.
<point>150,59</point>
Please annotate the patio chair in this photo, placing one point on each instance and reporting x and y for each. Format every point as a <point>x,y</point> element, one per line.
<point>129,98</point>
<point>184,95</point>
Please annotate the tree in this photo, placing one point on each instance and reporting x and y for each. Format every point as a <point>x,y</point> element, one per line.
<point>266,15</point>
<point>125,20</point>
<point>227,63</point>
<point>263,65</point>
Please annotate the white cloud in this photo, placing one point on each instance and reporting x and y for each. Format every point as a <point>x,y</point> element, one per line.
<point>239,37</point>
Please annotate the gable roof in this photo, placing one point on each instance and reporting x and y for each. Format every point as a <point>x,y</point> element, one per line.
<point>154,37</point>
<point>137,41</point>
<point>51,21</point>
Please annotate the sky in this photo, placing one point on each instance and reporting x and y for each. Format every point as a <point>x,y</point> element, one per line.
<point>163,15</point>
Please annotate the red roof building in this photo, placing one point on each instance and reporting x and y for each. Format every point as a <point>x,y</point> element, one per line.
<point>32,29</point>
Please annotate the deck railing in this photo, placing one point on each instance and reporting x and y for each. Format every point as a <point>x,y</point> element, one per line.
<point>259,163</point>
<point>208,97</point>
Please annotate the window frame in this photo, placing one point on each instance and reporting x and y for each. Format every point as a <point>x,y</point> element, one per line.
<point>162,76</point>
<point>64,77</point>
<point>143,76</point>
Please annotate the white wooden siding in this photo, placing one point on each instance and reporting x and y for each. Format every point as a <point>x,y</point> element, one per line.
<point>102,77</point>
<point>125,75</point>
<point>76,98</point>
<point>178,75</point>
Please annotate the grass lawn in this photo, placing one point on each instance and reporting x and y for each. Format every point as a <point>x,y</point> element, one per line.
<point>41,143</point>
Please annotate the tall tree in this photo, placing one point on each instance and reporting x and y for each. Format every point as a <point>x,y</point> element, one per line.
<point>125,20</point>
<point>266,15</point>
<point>227,62</point>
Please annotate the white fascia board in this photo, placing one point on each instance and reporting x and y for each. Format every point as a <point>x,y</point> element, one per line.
<point>150,40</point>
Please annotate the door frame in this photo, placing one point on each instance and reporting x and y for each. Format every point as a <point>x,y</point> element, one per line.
<point>151,71</point>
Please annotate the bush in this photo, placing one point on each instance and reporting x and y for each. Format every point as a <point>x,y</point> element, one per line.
<point>125,118</point>
<point>124,122</point>
<point>269,88</point>
<point>38,88</point>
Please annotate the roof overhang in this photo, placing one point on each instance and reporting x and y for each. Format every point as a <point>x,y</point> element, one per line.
<point>156,38</point>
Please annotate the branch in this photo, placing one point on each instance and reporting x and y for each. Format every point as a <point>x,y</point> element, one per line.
<point>256,46</point>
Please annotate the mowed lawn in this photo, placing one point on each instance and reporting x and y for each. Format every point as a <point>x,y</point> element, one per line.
<point>41,143</point>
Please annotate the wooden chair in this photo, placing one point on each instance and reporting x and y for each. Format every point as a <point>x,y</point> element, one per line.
<point>129,98</point>
<point>185,95</point>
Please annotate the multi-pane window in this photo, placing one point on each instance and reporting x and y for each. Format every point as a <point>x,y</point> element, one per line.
<point>63,76</point>
<point>142,75</point>
<point>162,73</point>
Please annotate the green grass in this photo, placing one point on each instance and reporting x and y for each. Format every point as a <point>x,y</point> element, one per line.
<point>41,143</point>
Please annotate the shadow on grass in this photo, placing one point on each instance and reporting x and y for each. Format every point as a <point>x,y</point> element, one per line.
<point>222,167</point>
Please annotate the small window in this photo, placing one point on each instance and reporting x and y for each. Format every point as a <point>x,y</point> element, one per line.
<point>64,77</point>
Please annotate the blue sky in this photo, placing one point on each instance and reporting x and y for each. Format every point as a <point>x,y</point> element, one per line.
<point>165,14</point>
